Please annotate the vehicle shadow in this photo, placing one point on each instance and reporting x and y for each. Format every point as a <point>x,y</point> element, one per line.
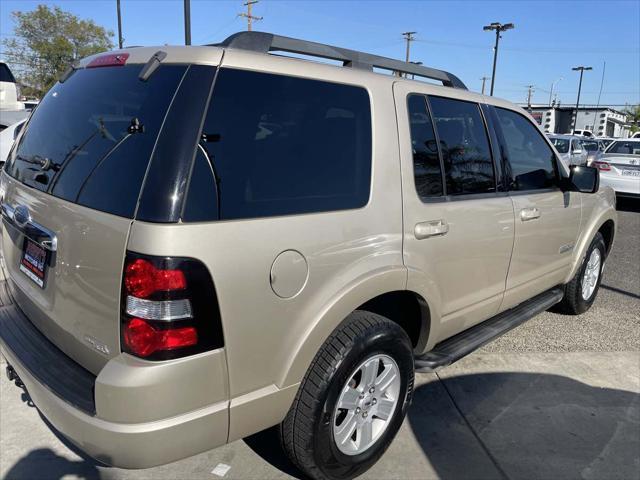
<point>266,444</point>
<point>44,463</point>
<point>31,466</point>
<point>530,426</point>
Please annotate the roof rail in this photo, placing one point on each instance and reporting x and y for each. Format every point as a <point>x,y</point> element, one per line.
<point>267,42</point>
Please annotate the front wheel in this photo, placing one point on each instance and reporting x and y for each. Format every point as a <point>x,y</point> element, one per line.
<point>582,290</point>
<point>352,400</point>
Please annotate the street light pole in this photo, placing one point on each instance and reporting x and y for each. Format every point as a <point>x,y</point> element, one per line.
<point>581,68</point>
<point>187,22</point>
<point>119,25</point>
<point>499,28</point>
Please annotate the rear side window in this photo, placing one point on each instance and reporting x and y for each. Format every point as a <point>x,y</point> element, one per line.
<point>282,145</point>
<point>91,137</point>
<point>426,161</point>
<point>531,158</point>
<point>466,153</point>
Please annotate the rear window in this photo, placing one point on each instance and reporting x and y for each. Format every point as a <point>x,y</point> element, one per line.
<point>624,148</point>
<point>281,145</point>
<point>91,137</point>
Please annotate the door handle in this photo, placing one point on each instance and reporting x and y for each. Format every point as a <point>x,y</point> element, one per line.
<point>527,214</point>
<point>431,228</point>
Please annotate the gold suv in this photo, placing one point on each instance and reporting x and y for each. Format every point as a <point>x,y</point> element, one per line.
<point>203,242</point>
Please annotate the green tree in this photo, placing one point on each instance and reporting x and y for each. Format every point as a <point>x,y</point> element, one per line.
<point>633,115</point>
<point>47,41</point>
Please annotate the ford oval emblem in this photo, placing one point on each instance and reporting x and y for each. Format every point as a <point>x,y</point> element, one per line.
<point>21,215</point>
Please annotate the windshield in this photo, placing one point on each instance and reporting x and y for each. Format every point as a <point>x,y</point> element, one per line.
<point>90,139</point>
<point>624,147</point>
<point>561,144</point>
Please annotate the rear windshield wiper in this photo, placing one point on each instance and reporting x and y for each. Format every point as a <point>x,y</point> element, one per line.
<point>43,162</point>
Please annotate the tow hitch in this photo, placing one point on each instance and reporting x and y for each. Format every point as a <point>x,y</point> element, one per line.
<point>12,375</point>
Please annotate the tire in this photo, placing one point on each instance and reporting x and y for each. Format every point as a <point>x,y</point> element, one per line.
<point>574,302</point>
<point>308,433</point>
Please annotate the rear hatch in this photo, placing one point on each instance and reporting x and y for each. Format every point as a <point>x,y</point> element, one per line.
<point>69,193</point>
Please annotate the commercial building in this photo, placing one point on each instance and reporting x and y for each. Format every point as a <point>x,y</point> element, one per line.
<point>602,121</point>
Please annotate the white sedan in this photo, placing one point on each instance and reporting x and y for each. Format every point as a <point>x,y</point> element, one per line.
<point>619,167</point>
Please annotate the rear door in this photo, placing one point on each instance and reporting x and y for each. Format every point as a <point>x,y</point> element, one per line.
<point>69,193</point>
<point>547,220</point>
<point>458,225</point>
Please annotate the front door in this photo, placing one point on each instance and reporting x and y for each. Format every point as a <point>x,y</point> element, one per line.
<point>458,230</point>
<point>547,220</point>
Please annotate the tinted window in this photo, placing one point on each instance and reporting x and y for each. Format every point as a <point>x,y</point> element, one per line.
<point>202,199</point>
<point>426,162</point>
<point>465,147</point>
<point>532,160</point>
<point>284,145</point>
<point>90,139</point>
<point>5,74</point>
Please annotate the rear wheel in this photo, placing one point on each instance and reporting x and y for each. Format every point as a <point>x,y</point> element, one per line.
<point>352,400</point>
<point>582,290</point>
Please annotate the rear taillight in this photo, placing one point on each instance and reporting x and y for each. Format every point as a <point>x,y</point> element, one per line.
<point>169,308</point>
<point>109,60</point>
<point>602,166</point>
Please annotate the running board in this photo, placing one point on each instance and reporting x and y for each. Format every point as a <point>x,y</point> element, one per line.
<point>462,344</point>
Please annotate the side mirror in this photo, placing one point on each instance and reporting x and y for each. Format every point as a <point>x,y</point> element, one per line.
<point>584,179</point>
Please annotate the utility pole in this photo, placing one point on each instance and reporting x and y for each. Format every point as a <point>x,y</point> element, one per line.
<point>553,84</point>
<point>530,87</point>
<point>119,25</point>
<point>484,79</point>
<point>187,22</point>
<point>248,15</point>
<point>499,28</point>
<point>409,38</point>
<point>581,69</point>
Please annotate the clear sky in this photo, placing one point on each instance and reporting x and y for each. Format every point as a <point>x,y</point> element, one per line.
<point>550,36</point>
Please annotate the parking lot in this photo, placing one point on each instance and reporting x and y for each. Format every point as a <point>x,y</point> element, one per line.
<point>559,397</point>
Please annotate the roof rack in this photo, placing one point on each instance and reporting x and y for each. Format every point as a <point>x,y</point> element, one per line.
<point>267,42</point>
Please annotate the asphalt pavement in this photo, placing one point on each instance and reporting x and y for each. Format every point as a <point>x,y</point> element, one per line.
<point>558,397</point>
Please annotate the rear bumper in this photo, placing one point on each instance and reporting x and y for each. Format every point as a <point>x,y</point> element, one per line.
<point>623,186</point>
<point>100,414</point>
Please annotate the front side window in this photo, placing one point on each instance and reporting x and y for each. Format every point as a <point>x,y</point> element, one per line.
<point>561,144</point>
<point>283,145</point>
<point>591,146</point>
<point>532,160</point>
<point>464,144</point>
<point>426,161</point>
<point>577,145</point>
